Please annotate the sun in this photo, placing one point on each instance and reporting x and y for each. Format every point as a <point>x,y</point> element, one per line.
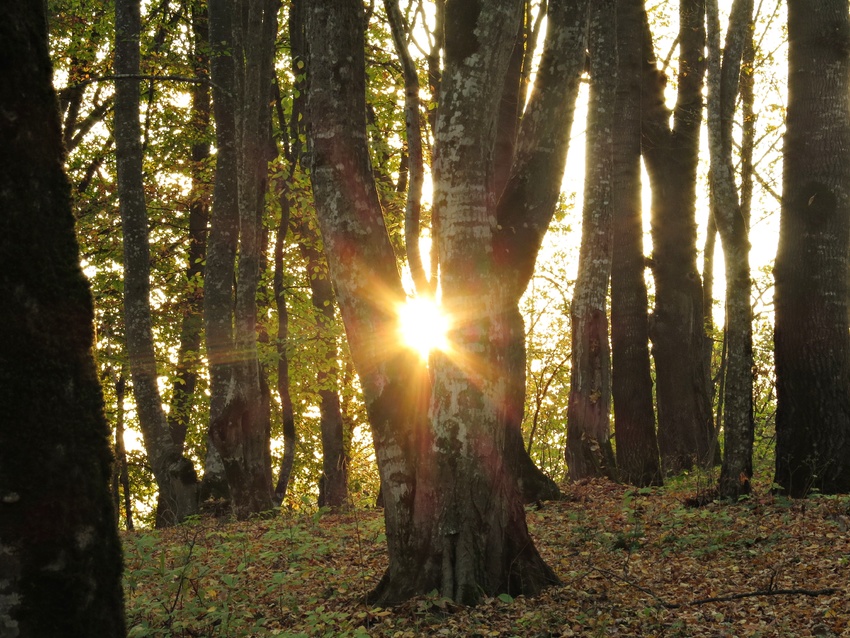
<point>423,326</point>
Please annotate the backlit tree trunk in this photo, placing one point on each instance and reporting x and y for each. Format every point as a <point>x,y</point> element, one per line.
<point>60,556</point>
<point>454,518</point>
<point>242,37</point>
<point>526,207</point>
<point>737,389</point>
<point>678,338</point>
<point>175,475</point>
<point>589,452</point>
<point>634,414</point>
<point>812,339</point>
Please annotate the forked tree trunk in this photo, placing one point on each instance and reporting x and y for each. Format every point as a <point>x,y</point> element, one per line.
<point>685,434</point>
<point>454,517</point>
<point>242,37</point>
<point>812,338</point>
<point>175,475</point>
<point>526,207</point>
<point>631,380</point>
<point>589,452</point>
<point>60,555</point>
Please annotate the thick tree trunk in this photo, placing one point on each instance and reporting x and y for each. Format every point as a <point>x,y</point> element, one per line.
<point>454,518</point>
<point>243,38</point>
<point>738,424</point>
<point>174,473</point>
<point>685,434</point>
<point>589,452</point>
<point>812,336</point>
<point>634,415</point>
<point>60,555</point>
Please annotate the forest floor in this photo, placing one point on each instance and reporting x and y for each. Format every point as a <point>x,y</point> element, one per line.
<point>633,563</point>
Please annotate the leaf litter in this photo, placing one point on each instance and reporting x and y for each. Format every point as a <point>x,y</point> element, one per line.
<point>633,562</point>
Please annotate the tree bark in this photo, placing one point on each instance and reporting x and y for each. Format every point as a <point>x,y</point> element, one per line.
<point>631,381</point>
<point>242,37</point>
<point>723,75</point>
<point>188,354</point>
<point>467,542</point>
<point>60,555</point>
<point>175,475</point>
<point>678,337</point>
<point>812,336</point>
<point>526,207</point>
<point>589,452</point>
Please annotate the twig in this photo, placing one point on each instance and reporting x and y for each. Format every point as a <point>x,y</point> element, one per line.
<point>716,599</point>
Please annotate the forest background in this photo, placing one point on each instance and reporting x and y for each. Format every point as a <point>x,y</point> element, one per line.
<point>178,146</point>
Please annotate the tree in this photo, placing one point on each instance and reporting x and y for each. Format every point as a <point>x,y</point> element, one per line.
<point>59,550</point>
<point>174,473</point>
<point>671,155</point>
<point>631,379</point>
<point>812,335</point>
<point>242,37</point>
<point>589,452</point>
<point>454,515</point>
<point>738,424</point>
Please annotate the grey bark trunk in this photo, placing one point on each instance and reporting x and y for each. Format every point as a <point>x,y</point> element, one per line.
<point>723,74</point>
<point>812,339</point>
<point>174,473</point>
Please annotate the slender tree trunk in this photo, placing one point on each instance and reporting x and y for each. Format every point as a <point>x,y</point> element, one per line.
<point>121,473</point>
<point>812,336</point>
<point>634,415</point>
<point>174,473</point>
<point>333,485</point>
<point>188,354</point>
<point>282,346</point>
<point>589,452</point>
<point>723,77</point>
<point>526,207</point>
<point>677,333</point>
<point>60,554</point>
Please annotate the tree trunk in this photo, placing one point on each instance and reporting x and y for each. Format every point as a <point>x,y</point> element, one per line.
<point>242,37</point>
<point>634,414</point>
<point>467,542</point>
<point>174,473</point>
<point>811,338</point>
<point>188,354</point>
<point>738,425</point>
<point>481,534</point>
<point>678,337</point>
<point>526,207</point>
<point>282,347</point>
<point>60,555</point>
<point>333,484</point>
<point>121,476</point>
<point>589,452</point>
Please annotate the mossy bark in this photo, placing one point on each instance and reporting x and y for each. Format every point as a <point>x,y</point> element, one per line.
<point>60,557</point>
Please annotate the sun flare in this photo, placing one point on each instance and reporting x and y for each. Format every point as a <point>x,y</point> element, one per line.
<point>423,326</point>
